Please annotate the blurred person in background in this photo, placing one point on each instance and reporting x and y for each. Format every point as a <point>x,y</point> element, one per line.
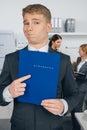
<point>80,73</point>
<point>55,42</point>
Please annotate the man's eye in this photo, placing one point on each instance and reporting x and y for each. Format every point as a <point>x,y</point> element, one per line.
<point>36,22</point>
<point>26,23</point>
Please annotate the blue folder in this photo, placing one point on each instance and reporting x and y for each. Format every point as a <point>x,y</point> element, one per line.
<point>44,70</point>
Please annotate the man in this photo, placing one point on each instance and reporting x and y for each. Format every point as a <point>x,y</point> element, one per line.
<point>48,115</point>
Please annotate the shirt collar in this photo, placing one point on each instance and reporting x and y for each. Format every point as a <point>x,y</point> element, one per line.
<point>43,49</point>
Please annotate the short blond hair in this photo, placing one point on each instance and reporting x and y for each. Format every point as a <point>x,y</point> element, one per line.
<point>37,9</point>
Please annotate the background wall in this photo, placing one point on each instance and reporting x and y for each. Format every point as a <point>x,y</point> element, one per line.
<point>11,19</point>
<point>10,12</point>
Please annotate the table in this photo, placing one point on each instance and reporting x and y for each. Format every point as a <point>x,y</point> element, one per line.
<point>82,119</point>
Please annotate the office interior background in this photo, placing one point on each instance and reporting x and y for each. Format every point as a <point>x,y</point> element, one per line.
<point>11,21</point>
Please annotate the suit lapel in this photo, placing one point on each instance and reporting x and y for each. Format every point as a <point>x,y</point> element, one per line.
<point>84,67</point>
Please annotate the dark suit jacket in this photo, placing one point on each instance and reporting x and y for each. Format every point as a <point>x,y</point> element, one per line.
<point>82,82</point>
<point>33,117</point>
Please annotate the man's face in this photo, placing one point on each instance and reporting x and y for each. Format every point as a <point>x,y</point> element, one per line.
<point>36,28</point>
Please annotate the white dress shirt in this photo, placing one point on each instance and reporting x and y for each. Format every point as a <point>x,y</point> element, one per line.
<point>81,64</point>
<point>7,96</point>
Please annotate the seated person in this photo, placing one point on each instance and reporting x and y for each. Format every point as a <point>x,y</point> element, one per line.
<point>80,69</point>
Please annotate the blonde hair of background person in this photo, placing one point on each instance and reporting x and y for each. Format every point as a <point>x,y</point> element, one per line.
<point>83,54</point>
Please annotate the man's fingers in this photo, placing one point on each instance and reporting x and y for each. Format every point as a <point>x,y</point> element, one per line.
<point>49,101</point>
<point>23,78</point>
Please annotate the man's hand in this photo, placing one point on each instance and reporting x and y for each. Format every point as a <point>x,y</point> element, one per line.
<point>17,87</point>
<point>55,106</point>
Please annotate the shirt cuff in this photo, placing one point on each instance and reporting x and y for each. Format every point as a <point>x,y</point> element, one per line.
<point>65,107</point>
<point>6,95</point>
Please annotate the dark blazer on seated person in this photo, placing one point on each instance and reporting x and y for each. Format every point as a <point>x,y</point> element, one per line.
<point>27,116</point>
<point>82,86</point>
<point>82,81</point>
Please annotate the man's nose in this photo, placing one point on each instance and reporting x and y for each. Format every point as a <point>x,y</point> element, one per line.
<point>30,27</point>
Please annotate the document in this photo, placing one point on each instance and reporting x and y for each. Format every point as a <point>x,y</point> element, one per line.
<point>44,70</point>
<point>79,75</point>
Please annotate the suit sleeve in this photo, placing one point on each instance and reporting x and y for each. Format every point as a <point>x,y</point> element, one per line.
<point>69,86</point>
<point>5,80</point>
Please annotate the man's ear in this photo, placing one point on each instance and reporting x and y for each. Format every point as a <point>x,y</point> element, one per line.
<point>49,27</point>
